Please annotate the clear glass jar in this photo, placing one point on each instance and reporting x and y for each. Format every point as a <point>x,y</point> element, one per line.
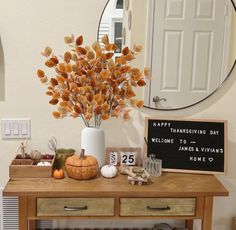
<point>153,165</point>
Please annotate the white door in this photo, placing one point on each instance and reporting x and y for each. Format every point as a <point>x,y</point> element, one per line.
<point>187,52</point>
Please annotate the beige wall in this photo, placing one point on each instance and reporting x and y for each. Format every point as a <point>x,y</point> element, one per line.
<point>26,27</point>
<point>233,39</point>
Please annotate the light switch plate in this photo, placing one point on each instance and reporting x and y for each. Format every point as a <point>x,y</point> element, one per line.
<point>16,128</point>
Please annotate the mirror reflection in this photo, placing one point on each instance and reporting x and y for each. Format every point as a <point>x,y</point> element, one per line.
<point>189,45</point>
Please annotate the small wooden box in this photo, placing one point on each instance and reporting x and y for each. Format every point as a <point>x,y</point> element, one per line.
<point>27,168</point>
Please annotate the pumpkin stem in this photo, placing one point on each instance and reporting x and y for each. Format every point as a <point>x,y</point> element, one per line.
<point>82,154</point>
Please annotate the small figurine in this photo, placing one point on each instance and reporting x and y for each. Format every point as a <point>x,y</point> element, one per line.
<point>22,148</point>
<point>137,175</point>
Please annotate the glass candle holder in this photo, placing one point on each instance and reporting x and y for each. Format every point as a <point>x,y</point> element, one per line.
<point>153,165</point>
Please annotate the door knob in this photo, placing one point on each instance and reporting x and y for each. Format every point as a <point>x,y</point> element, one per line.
<point>157,99</point>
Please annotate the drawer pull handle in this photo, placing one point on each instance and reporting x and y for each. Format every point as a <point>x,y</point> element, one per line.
<point>158,209</point>
<point>75,208</point>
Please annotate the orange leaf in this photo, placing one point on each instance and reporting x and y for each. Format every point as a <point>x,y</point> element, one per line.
<point>105,116</point>
<point>137,48</point>
<point>137,76</point>
<point>88,116</point>
<point>109,55</point>
<point>49,63</point>
<point>105,40</point>
<point>121,60</point>
<point>47,51</point>
<point>77,109</point>
<point>53,101</point>
<point>81,50</point>
<point>74,115</point>
<point>125,51</point>
<point>49,93</point>
<point>79,40</point>
<point>60,79</point>
<point>65,67</point>
<point>56,95</point>
<point>98,110</point>
<point>111,47</point>
<point>90,55</point>
<point>120,80</point>
<point>74,57</point>
<point>140,103</point>
<point>72,85</point>
<point>105,74</point>
<point>89,97</point>
<point>141,82</point>
<point>96,46</point>
<point>56,114</point>
<point>65,97</point>
<point>129,57</point>
<point>147,73</point>
<point>63,104</point>
<point>125,69</point>
<point>129,93</point>
<point>67,57</point>
<point>40,73</point>
<point>133,83</point>
<point>106,107</point>
<point>117,73</point>
<point>134,71</point>
<point>98,97</point>
<point>68,39</point>
<point>54,81</point>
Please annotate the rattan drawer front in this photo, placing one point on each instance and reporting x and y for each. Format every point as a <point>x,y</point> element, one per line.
<point>75,206</point>
<point>157,206</point>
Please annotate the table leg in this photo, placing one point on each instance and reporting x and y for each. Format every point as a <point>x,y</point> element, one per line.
<point>32,224</point>
<point>207,216</point>
<point>23,213</point>
<point>189,224</point>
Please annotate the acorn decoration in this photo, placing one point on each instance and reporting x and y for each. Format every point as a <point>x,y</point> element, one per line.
<point>81,167</point>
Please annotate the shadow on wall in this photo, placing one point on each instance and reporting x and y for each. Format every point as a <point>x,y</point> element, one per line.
<point>2,73</point>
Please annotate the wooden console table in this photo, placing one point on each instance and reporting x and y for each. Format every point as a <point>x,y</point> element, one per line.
<point>171,196</point>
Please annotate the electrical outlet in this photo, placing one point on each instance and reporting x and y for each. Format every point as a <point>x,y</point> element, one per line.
<point>15,128</point>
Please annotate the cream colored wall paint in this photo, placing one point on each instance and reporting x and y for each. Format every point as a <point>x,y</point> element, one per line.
<point>233,39</point>
<point>26,27</point>
<point>2,77</point>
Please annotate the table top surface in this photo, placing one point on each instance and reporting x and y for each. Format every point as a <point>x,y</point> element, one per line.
<point>167,185</point>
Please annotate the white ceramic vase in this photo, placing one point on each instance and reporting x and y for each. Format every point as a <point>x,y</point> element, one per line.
<point>93,142</point>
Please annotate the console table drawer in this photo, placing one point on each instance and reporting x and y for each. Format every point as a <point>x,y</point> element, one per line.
<point>157,206</point>
<point>75,206</point>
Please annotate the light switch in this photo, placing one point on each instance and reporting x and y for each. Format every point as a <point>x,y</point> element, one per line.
<point>7,129</point>
<point>24,128</point>
<point>14,128</point>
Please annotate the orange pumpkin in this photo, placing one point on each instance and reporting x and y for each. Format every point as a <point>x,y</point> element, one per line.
<point>81,167</point>
<point>58,174</point>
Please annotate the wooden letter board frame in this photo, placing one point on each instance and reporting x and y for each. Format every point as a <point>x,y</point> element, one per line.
<point>193,141</point>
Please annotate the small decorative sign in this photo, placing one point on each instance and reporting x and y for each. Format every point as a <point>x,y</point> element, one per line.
<point>123,156</point>
<point>195,146</point>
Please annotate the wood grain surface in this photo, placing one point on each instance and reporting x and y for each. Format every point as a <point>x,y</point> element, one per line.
<point>167,185</point>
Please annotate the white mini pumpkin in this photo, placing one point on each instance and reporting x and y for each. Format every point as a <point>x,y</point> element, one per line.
<point>44,163</point>
<point>108,171</point>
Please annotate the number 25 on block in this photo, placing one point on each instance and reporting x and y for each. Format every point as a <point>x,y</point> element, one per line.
<point>128,158</point>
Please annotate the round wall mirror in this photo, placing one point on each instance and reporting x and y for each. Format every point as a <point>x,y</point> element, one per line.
<point>190,46</point>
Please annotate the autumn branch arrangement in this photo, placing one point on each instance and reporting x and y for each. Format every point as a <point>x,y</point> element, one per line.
<point>88,82</point>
